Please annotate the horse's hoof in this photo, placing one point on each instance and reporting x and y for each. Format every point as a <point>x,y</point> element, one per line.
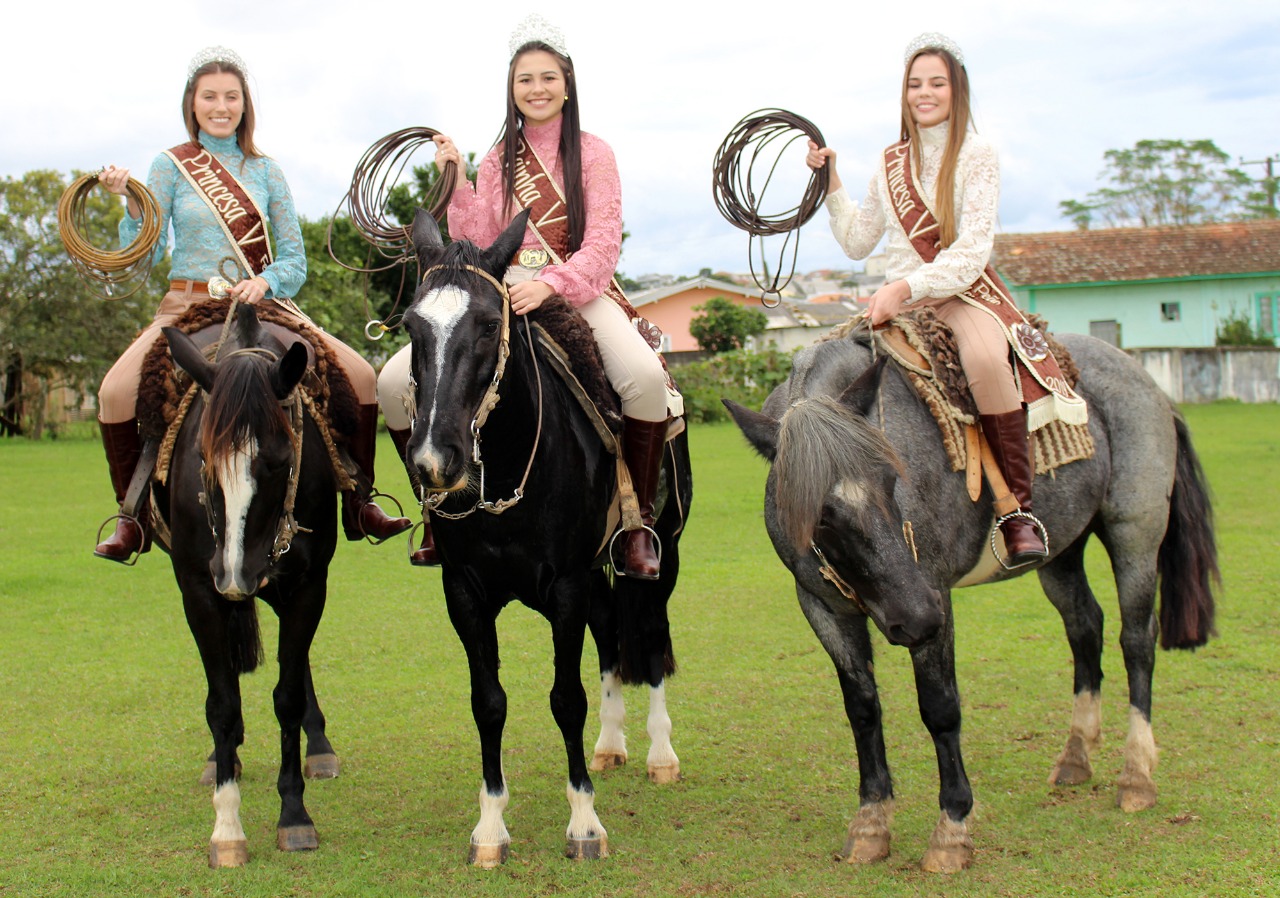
<point>488,856</point>
<point>946,860</point>
<point>321,767</point>
<point>1073,766</point>
<point>1136,797</point>
<point>233,853</point>
<point>608,760</point>
<point>950,848</point>
<point>297,838</point>
<point>586,849</point>
<point>664,775</point>
<point>865,849</point>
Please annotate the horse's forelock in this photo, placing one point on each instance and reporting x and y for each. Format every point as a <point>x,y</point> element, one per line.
<point>822,444</point>
<point>241,401</point>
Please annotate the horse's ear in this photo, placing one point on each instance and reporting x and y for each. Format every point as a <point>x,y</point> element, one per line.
<point>189,358</point>
<point>760,430</point>
<point>498,256</point>
<point>289,370</point>
<point>427,241</point>
<point>860,396</point>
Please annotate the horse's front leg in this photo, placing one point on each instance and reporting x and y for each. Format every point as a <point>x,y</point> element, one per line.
<point>848,643</point>
<point>209,619</point>
<point>950,847</point>
<point>299,617</point>
<point>585,836</point>
<point>476,626</point>
<point>1067,587</point>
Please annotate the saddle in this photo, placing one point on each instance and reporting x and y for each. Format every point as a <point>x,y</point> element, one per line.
<point>924,348</point>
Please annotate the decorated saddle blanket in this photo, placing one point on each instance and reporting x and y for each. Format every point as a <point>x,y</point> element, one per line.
<point>162,387</point>
<point>924,347</point>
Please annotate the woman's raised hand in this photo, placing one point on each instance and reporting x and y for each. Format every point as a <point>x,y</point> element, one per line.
<point>116,180</point>
<point>817,157</point>
<point>446,152</point>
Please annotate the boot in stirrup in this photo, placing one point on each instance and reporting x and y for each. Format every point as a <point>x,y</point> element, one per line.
<point>1007,435</point>
<point>124,447</point>
<point>642,446</point>
<point>425,555</point>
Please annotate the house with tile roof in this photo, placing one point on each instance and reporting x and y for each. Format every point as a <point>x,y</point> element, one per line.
<point>1147,287</point>
<point>791,323</point>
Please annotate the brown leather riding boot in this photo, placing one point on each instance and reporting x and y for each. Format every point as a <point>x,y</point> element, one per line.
<point>425,555</point>
<point>642,446</point>
<point>124,446</point>
<point>361,516</point>
<point>1007,435</point>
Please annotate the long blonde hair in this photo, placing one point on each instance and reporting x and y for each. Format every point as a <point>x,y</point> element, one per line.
<point>944,201</point>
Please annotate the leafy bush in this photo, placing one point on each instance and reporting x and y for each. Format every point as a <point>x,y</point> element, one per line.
<point>1235,329</point>
<point>745,376</point>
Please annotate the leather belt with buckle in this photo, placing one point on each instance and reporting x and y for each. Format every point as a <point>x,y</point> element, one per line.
<point>533,258</point>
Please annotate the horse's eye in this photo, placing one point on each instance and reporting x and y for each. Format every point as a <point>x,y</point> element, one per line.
<point>491,328</point>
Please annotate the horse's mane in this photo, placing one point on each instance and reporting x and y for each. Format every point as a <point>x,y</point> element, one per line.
<point>242,400</point>
<point>822,442</point>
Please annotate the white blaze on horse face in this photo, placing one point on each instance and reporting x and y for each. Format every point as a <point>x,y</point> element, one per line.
<point>238,488</point>
<point>440,310</point>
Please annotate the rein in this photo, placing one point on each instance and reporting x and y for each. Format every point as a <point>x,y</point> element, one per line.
<point>488,403</point>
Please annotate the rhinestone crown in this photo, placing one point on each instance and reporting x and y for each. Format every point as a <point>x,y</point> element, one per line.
<point>932,40</point>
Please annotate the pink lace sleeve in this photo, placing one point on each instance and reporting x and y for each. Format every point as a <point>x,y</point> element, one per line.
<point>584,276</point>
<point>475,210</point>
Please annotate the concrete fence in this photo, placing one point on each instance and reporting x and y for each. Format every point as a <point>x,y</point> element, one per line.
<point>1204,375</point>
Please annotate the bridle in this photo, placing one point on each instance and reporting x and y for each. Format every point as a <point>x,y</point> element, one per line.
<point>431,499</point>
<point>288,526</point>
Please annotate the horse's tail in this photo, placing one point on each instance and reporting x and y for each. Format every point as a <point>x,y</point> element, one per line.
<point>1188,557</point>
<point>244,637</point>
<point>644,631</point>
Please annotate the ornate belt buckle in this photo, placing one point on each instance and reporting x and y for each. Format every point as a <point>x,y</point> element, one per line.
<point>219,287</point>
<point>533,258</point>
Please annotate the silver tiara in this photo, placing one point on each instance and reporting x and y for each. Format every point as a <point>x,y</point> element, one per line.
<point>536,28</point>
<point>932,40</point>
<point>216,54</point>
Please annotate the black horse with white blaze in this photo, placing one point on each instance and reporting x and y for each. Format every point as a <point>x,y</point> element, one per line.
<point>522,486</point>
<point>244,472</point>
<point>874,533</point>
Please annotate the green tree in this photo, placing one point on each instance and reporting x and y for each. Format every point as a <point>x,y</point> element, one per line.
<point>56,330</point>
<point>1166,182</point>
<point>724,326</point>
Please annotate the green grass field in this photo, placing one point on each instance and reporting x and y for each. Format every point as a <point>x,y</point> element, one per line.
<point>102,732</point>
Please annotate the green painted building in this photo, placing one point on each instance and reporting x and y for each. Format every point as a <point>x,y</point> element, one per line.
<point>1147,287</point>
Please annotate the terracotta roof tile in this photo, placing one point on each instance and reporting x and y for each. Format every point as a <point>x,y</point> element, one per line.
<point>1137,254</point>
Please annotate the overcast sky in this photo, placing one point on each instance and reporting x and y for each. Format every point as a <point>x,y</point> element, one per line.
<point>663,81</point>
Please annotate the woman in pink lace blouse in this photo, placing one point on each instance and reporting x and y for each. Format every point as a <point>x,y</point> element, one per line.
<point>575,256</point>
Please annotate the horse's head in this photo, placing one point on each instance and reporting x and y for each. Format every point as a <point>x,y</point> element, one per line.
<point>246,445</point>
<point>459,327</point>
<point>834,511</point>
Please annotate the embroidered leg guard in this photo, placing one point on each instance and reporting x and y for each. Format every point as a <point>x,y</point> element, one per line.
<point>1007,435</point>
<point>124,447</point>
<point>642,446</point>
<point>425,555</point>
<point>361,516</point>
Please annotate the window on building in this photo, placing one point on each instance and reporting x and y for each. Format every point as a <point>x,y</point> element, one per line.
<point>1108,331</point>
<point>664,343</point>
<point>1170,311</point>
<point>1268,307</point>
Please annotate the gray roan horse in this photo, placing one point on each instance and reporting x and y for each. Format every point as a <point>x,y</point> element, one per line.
<point>838,495</point>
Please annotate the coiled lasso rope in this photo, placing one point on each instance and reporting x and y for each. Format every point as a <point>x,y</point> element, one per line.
<point>737,198</point>
<point>114,270</point>
<point>377,172</point>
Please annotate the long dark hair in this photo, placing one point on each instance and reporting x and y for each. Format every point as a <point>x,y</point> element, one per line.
<point>944,192</point>
<point>244,131</point>
<point>570,143</point>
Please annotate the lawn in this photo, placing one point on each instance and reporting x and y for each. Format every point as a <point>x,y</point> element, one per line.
<point>102,732</point>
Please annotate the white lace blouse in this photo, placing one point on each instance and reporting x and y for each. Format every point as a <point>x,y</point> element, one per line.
<point>859,227</point>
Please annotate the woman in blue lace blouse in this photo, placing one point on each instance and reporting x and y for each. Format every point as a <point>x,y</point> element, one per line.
<point>190,182</point>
